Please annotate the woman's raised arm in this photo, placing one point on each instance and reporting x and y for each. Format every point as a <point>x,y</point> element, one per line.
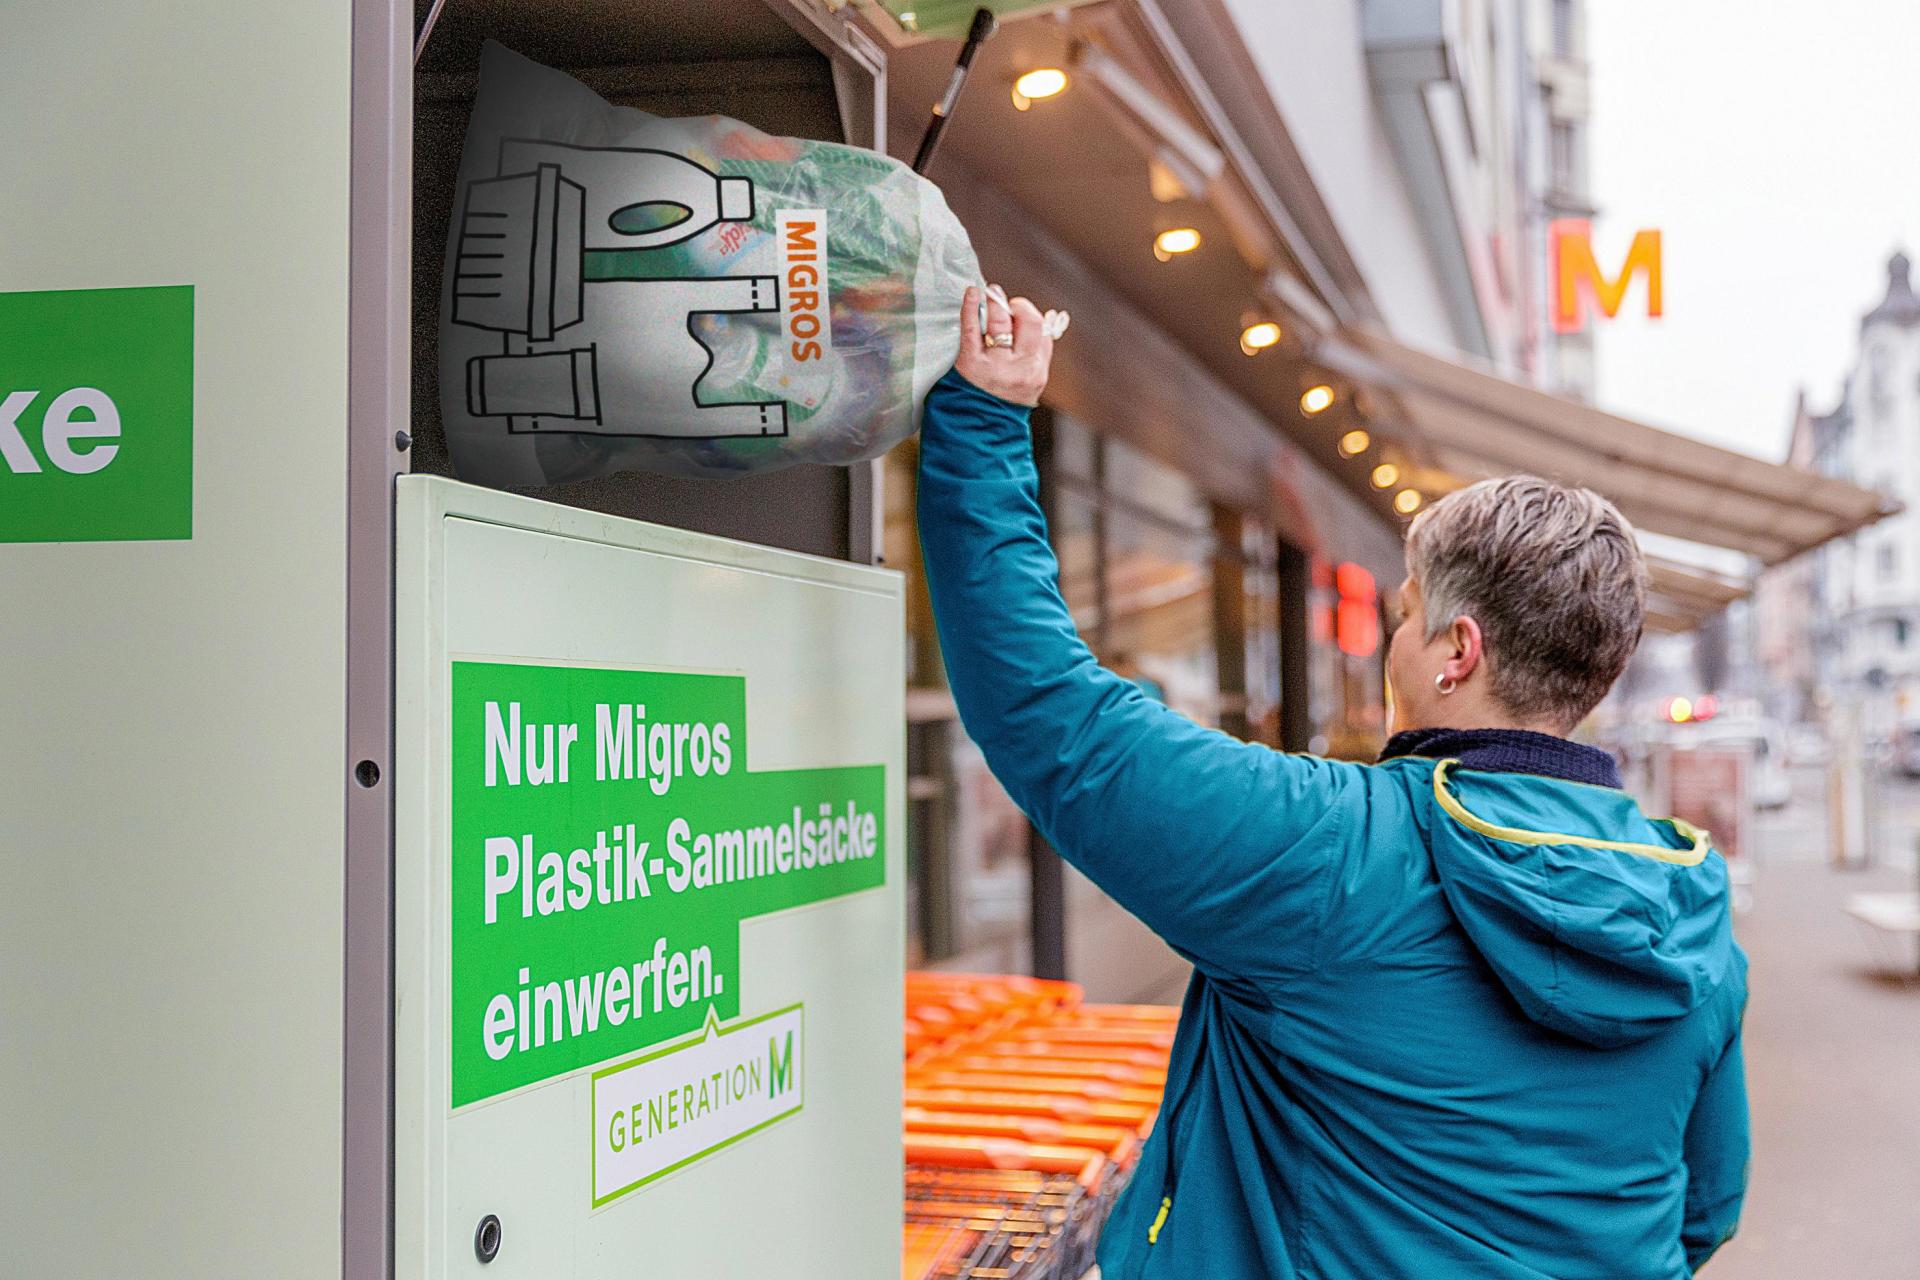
<point>1218,845</point>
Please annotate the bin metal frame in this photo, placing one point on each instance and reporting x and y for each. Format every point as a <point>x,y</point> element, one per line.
<point>378,424</point>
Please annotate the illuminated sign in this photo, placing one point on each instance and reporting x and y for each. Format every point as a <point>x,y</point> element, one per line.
<point>1356,619</point>
<point>1577,277</point>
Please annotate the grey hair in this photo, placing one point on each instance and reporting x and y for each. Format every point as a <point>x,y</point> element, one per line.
<point>1555,579</point>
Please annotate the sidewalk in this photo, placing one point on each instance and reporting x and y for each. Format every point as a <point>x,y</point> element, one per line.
<point>1833,1069</point>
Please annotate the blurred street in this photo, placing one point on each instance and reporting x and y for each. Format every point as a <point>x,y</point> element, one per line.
<point>1833,1058</point>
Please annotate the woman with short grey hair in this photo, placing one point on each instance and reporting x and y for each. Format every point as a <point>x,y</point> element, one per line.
<point>1548,578</point>
<point>1465,1012</point>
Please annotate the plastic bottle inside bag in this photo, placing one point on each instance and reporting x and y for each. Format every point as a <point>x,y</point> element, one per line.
<point>690,296</point>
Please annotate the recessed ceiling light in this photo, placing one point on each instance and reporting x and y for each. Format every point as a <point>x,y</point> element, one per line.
<point>1041,82</point>
<point>1315,399</point>
<point>1170,244</point>
<point>1258,337</point>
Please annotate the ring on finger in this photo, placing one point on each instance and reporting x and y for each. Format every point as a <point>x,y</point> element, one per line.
<point>999,340</point>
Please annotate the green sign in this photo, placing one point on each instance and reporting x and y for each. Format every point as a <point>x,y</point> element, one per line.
<point>607,841</point>
<point>96,415</point>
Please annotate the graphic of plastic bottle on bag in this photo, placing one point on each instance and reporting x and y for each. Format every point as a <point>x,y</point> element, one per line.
<point>521,271</point>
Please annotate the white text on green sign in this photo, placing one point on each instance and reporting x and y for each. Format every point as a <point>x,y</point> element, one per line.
<point>608,839</point>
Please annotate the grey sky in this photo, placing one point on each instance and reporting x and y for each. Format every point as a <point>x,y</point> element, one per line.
<point>1774,145</point>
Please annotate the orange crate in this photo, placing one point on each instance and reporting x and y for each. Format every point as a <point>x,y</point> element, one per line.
<point>983,1058</point>
<point>1124,1055</point>
<point>1093,1090</point>
<point>961,1151</point>
<point>1059,1107</point>
<point>925,1247</point>
<point>1117,1141</point>
<point>1156,1014</point>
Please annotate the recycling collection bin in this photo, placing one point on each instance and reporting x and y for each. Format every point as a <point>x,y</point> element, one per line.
<point>291,704</point>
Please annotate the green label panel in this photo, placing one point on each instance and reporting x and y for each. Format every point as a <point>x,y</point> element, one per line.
<point>608,839</point>
<point>96,415</point>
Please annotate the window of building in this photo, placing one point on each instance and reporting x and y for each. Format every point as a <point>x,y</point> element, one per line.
<point>1159,582</point>
<point>1563,16</point>
<point>1899,633</point>
<point>1888,560</point>
<point>1563,142</point>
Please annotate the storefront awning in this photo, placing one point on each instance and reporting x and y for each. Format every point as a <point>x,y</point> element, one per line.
<point>1680,597</point>
<point>1467,425</point>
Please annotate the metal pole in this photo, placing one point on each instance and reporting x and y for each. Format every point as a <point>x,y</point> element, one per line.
<point>983,26</point>
<point>1230,620</point>
<point>1296,710</point>
<point>426,30</point>
<point>1047,876</point>
<point>1102,594</point>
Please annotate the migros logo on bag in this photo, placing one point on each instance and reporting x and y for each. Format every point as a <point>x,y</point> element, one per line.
<point>803,283</point>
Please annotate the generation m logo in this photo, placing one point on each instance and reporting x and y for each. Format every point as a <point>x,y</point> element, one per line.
<point>661,1112</point>
<point>1577,278</point>
<point>96,415</point>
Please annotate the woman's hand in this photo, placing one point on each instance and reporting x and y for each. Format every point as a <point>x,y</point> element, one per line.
<point>1012,357</point>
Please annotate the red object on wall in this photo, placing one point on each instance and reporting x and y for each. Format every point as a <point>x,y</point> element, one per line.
<point>1356,624</point>
<point>1354,583</point>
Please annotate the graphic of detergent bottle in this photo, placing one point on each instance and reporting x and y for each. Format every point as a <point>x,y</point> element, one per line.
<point>637,199</point>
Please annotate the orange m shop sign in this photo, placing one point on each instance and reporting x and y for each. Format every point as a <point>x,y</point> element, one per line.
<point>1579,283</point>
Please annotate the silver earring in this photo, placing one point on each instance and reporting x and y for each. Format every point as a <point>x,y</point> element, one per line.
<point>1444,683</point>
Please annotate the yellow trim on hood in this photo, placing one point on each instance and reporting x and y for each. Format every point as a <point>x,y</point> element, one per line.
<point>1516,835</point>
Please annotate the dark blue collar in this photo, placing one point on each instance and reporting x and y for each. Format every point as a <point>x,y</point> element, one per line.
<point>1509,751</point>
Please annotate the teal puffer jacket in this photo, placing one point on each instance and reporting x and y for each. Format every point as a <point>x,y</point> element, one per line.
<point>1444,1023</point>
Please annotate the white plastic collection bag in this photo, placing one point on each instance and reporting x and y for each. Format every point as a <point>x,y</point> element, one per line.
<point>690,296</point>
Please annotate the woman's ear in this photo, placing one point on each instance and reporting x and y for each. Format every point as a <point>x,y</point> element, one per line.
<point>1467,649</point>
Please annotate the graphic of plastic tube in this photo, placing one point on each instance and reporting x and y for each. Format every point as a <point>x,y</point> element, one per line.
<point>548,384</point>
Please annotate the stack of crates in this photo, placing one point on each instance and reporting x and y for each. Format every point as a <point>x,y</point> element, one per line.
<point>1025,1110</point>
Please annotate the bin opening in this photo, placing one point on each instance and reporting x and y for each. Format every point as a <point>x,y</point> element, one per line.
<point>671,59</point>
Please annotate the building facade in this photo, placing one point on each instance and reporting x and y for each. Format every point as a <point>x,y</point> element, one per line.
<point>1446,138</point>
<point>1840,627</point>
<point>1558,182</point>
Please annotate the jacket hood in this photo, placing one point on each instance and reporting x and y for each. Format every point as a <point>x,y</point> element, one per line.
<point>1604,925</point>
